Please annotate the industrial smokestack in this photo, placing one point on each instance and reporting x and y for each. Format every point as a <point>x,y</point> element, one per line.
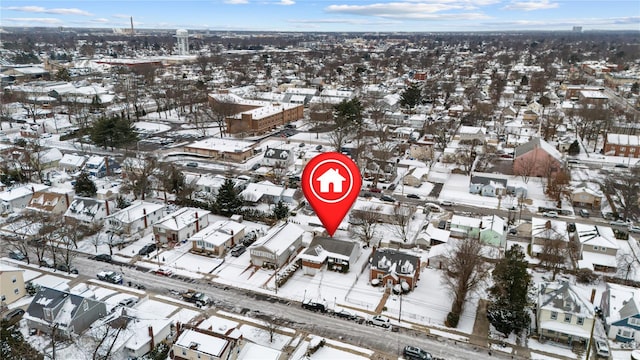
<point>132,32</point>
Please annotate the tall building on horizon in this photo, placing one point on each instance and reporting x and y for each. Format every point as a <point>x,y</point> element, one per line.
<point>577,29</point>
<point>183,41</point>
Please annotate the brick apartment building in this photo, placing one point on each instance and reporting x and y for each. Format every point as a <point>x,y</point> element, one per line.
<point>622,145</point>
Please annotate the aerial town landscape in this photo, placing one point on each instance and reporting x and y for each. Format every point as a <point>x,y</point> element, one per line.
<point>151,204</point>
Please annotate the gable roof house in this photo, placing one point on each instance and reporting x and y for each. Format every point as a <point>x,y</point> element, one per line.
<point>267,192</point>
<point>11,285</point>
<point>216,238</point>
<point>73,313</point>
<point>101,166</point>
<point>282,158</point>
<point>584,196</point>
<point>547,232</point>
<point>88,211</point>
<point>180,225</point>
<point>621,312</point>
<point>49,158</point>
<point>18,197</point>
<point>138,216</point>
<point>337,254</point>
<point>195,343</point>
<point>536,158</point>
<point>562,314</point>
<point>493,230</point>
<point>391,267</point>
<point>274,249</point>
<point>487,186</point>
<point>598,247</point>
<point>471,133</point>
<point>71,162</point>
<point>49,202</point>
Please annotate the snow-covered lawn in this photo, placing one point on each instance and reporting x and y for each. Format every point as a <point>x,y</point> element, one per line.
<point>183,316</point>
<point>151,128</point>
<point>330,353</point>
<point>553,348</point>
<point>157,308</point>
<point>261,337</point>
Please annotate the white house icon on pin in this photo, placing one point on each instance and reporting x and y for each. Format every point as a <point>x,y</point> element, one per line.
<point>331,176</point>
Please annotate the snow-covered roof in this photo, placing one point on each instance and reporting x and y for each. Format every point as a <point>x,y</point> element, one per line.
<point>563,297</point>
<point>252,351</point>
<point>181,218</point>
<point>623,139</point>
<point>466,221</point>
<point>255,191</point>
<point>222,145</point>
<point>136,211</point>
<point>279,238</point>
<point>202,343</point>
<point>596,235</point>
<point>545,228</point>
<point>21,191</point>
<point>72,160</point>
<point>219,232</point>
<point>623,302</point>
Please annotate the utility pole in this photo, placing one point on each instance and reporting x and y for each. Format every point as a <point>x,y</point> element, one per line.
<point>591,337</point>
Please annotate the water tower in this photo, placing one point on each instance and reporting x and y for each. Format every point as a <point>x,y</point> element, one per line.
<point>183,41</point>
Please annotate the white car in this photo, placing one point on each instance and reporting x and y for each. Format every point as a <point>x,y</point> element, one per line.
<point>634,229</point>
<point>446,203</point>
<point>620,223</point>
<point>379,320</point>
<point>550,214</point>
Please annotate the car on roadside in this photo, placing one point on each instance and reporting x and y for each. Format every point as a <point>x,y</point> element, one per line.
<point>164,271</point>
<point>110,277</point>
<point>375,190</point>
<point>17,255</point>
<point>302,145</point>
<point>584,213</point>
<point>413,196</point>
<point>47,263</point>
<point>192,164</point>
<point>446,203</point>
<point>103,257</point>
<point>66,268</point>
<point>344,314</point>
<point>620,222</point>
<point>415,353</point>
<point>379,320</point>
<point>634,229</point>
<point>387,198</point>
<point>602,349</point>
<point>513,231</point>
<point>314,306</point>
<point>319,147</point>
<point>147,249</point>
<point>550,214</point>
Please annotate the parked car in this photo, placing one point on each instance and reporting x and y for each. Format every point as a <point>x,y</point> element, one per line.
<point>622,166</point>
<point>147,249</point>
<point>379,320</point>
<point>13,316</point>
<point>634,229</point>
<point>345,314</point>
<point>238,250</point>
<point>446,203</point>
<point>375,190</point>
<point>620,222</point>
<point>513,231</point>
<point>584,213</point>
<point>314,306</point>
<point>550,214</point>
<point>442,224</point>
<point>110,276</point>
<point>67,269</point>
<point>47,263</point>
<point>128,302</point>
<point>387,198</point>
<point>392,187</point>
<point>17,255</point>
<point>319,147</point>
<point>602,349</point>
<point>415,353</point>
<point>413,196</point>
<point>301,145</point>
<point>255,166</point>
<point>164,271</point>
<point>103,257</point>
<point>192,164</point>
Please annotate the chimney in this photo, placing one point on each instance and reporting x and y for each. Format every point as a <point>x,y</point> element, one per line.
<point>66,196</point>
<point>144,213</point>
<point>33,189</point>
<point>106,205</point>
<point>106,165</point>
<point>197,222</point>
<point>593,295</point>
<point>178,328</point>
<point>152,342</point>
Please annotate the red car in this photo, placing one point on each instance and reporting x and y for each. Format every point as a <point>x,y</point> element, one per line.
<point>164,271</point>
<point>375,190</point>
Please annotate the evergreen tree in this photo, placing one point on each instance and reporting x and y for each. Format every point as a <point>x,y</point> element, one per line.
<point>84,185</point>
<point>574,148</point>
<point>348,113</point>
<point>507,311</point>
<point>411,97</point>
<point>113,132</point>
<point>14,346</point>
<point>228,201</point>
<point>63,75</point>
<point>281,211</point>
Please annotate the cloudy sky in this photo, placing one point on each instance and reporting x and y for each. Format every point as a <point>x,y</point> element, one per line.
<point>328,15</point>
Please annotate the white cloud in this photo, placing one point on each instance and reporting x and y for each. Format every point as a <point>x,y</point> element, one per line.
<point>40,9</point>
<point>286,2</point>
<point>121,16</point>
<point>409,11</point>
<point>49,21</point>
<point>236,2</point>
<point>101,20</point>
<point>531,5</point>
<point>564,23</point>
<point>344,21</point>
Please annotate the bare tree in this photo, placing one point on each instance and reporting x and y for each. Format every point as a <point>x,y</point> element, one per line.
<point>402,216</point>
<point>339,137</point>
<point>553,255</point>
<point>525,168</point>
<point>465,157</point>
<point>466,271</point>
<point>219,109</point>
<point>365,221</point>
<point>627,266</point>
<point>140,176</point>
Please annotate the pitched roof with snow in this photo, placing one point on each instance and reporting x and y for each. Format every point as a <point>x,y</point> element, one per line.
<point>322,247</point>
<point>535,143</point>
<point>563,297</point>
<point>395,262</point>
<point>279,238</point>
<point>596,235</point>
<point>181,218</point>
<point>623,302</point>
<point>219,232</point>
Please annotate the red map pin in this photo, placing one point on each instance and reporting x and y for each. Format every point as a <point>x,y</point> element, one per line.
<point>331,183</point>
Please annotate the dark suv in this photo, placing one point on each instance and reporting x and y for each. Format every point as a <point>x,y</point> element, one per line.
<point>13,316</point>
<point>415,353</point>
<point>314,306</point>
<point>147,249</point>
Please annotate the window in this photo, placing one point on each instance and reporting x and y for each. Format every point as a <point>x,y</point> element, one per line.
<point>634,321</point>
<point>554,315</point>
<point>14,280</point>
<point>567,318</point>
<point>603,249</point>
<point>16,291</point>
<point>595,248</point>
<point>85,306</point>
<point>580,321</point>
<point>622,148</point>
<point>3,298</point>
<point>625,333</point>
<point>184,352</point>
